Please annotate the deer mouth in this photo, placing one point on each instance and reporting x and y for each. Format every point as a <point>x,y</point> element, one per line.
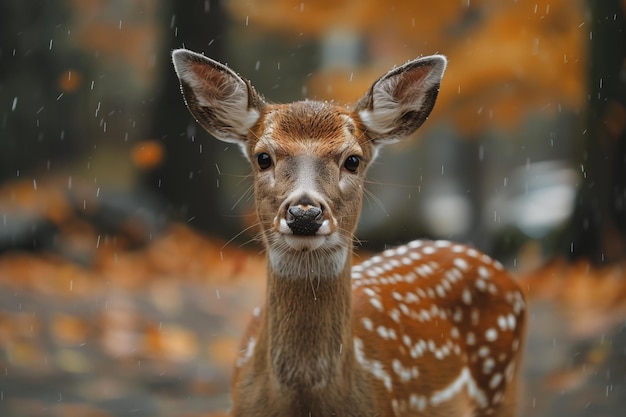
<point>304,235</point>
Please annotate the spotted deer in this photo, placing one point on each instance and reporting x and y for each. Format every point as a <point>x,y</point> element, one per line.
<point>431,328</point>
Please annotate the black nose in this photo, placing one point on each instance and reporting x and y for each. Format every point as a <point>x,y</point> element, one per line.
<point>304,220</point>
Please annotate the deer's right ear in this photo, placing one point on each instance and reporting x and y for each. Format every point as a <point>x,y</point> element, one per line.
<point>224,103</point>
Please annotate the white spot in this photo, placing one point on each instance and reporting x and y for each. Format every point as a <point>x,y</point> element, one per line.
<point>256,312</point>
<point>395,315</point>
<point>415,244</point>
<point>417,402</point>
<point>511,320</point>
<point>454,333</point>
<point>510,371</point>
<point>367,323</point>
<point>404,373</point>
<point>375,302</point>
<point>246,354</point>
<point>488,366</point>
<point>428,250</point>
<point>467,297</point>
<point>443,243</point>
<point>464,380</point>
<point>387,333</point>
<point>461,264</point>
<point>374,367</point>
<point>503,324</point>
<point>484,272</point>
<point>483,351</point>
<point>440,291</point>
<point>369,292</point>
<point>375,259</point>
<point>470,338</point>
<point>491,334</point>
<point>495,380</point>
<point>497,397</point>
<point>458,315</point>
<point>515,345</point>
<point>415,256</point>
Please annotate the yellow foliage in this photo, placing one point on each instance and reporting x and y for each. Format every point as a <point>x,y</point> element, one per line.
<point>506,58</point>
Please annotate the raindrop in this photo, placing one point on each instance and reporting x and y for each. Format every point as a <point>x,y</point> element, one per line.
<point>14,105</point>
<point>50,45</point>
<point>481,153</point>
<point>35,185</point>
<point>172,21</point>
<point>257,65</point>
<point>120,26</point>
<point>217,294</point>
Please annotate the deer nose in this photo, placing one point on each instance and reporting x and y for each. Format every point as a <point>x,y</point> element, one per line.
<point>304,219</point>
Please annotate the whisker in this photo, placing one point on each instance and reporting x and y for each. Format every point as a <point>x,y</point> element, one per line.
<point>240,233</point>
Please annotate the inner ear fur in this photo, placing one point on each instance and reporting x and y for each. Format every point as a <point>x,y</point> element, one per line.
<point>399,102</point>
<point>222,102</point>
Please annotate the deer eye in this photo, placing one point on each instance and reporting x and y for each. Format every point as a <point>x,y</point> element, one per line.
<point>264,161</point>
<point>352,163</point>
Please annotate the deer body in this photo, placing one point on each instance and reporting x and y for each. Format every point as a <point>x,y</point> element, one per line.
<point>429,328</point>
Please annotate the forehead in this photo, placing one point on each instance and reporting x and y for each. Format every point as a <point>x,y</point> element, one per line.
<point>308,126</point>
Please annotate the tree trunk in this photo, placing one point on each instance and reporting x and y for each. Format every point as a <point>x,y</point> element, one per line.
<point>188,178</point>
<point>597,230</point>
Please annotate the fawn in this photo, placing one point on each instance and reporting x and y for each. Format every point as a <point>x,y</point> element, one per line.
<point>428,328</point>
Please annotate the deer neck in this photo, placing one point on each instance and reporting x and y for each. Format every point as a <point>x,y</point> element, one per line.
<point>307,328</point>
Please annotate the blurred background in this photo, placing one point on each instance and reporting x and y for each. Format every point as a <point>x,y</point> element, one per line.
<point>125,277</point>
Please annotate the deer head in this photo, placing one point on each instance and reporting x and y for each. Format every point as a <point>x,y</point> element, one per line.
<point>309,158</point>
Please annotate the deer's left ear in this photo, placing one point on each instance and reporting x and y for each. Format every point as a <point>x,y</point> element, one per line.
<point>400,101</point>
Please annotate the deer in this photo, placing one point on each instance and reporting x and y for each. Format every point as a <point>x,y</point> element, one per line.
<point>429,328</point>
